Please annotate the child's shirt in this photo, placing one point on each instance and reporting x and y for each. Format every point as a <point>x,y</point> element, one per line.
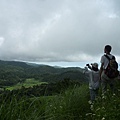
<point>94,78</point>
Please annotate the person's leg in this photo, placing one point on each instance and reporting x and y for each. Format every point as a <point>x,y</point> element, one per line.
<point>92,95</point>
<point>103,82</point>
<point>96,93</point>
<point>112,85</point>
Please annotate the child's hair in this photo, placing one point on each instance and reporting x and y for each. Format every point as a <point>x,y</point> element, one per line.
<point>95,69</point>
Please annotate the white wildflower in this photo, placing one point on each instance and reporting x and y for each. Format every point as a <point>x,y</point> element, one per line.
<point>90,102</point>
<point>98,109</point>
<point>104,97</point>
<point>113,94</point>
<point>50,105</point>
<point>103,107</point>
<point>108,90</point>
<point>103,118</point>
<point>91,107</point>
<point>88,114</point>
<point>119,90</point>
<point>61,107</point>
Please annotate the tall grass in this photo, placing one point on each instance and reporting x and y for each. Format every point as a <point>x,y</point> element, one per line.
<point>107,106</point>
<point>70,105</point>
<point>23,109</point>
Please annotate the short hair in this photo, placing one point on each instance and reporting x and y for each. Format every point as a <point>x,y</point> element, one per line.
<point>108,48</point>
<point>95,69</point>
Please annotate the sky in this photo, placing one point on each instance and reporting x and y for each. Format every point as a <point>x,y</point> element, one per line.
<point>59,31</point>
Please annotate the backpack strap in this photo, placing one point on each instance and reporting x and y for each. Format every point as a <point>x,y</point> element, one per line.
<point>107,57</point>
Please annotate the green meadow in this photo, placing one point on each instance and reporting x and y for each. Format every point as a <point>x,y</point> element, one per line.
<point>27,83</point>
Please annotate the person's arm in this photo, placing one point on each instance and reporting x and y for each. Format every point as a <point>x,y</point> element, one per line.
<point>86,71</point>
<point>101,69</point>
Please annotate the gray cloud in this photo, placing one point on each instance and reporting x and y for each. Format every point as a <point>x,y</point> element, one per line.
<point>62,30</point>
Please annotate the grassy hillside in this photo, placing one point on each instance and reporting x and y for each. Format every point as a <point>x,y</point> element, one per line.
<point>72,104</point>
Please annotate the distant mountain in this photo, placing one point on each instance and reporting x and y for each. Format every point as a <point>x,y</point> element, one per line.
<point>12,72</point>
<point>14,63</point>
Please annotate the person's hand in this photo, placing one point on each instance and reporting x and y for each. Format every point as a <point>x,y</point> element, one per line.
<point>87,64</point>
<point>86,68</point>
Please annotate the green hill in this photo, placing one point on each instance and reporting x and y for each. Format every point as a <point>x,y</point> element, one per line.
<point>14,63</point>
<point>13,72</point>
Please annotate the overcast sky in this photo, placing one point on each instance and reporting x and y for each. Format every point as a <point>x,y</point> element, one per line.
<point>58,30</point>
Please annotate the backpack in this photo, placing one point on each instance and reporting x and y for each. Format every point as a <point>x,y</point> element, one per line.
<point>112,69</point>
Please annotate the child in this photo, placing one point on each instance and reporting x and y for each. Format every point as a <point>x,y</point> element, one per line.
<point>93,74</point>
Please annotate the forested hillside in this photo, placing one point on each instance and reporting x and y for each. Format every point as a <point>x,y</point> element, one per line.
<point>13,72</point>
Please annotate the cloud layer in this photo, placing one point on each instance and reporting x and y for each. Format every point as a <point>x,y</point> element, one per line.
<point>58,30</point>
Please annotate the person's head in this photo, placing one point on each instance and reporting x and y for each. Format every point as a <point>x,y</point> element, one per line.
<point>94,66</point>
<point>107,49</point>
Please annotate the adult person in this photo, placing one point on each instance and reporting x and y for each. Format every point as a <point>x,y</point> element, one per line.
<point>105,80</point>
<point>93,75</point>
